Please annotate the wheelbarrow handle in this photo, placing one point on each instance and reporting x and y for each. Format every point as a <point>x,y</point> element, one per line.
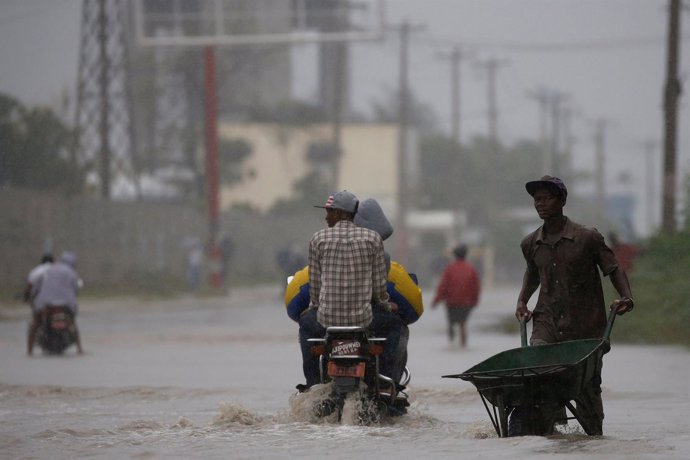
<point>613,312</point>
<point>523,332</point>
<point>607,332</point>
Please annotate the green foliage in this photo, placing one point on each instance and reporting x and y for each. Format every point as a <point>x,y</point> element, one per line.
<point>312,188</point>
<point>34,145</point>
<point>662,293</point>
<point>475,177</point>
<point>421,115</point>
<point>233,152</point>
<point>289,112</point>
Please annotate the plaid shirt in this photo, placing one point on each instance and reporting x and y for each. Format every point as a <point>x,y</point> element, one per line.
<point>347,270</point>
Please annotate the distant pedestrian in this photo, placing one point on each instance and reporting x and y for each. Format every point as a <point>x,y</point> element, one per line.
<point>195,256</point>
<point>459,290</point>
<point>227,248</point>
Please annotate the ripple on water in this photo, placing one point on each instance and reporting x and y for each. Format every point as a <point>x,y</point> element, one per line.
<point>141,425</point>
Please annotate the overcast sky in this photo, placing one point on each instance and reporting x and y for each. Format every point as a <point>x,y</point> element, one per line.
<point>608,56</point>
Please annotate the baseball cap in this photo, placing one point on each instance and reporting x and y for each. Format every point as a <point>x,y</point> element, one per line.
<point>344,200</point>
<point>549,182</point>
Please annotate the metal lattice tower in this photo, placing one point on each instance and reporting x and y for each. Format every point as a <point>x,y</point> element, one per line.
<point>104,143</point>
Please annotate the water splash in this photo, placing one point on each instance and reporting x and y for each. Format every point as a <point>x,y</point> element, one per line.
<point>302,405</point>
<point>235,414</point>
<point>183,422</point>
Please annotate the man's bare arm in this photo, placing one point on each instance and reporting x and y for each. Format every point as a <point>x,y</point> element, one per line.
<point>620,282</point>
<point>530,283</point>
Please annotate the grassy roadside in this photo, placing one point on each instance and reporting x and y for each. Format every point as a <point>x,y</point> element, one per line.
<point>661,289</point>
<point>660,284</point>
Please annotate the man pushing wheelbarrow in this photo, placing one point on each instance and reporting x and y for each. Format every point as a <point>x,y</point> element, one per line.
<point>563,259</point>
<point>531,386</point>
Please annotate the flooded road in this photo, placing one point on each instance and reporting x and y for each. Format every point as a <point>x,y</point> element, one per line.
<point>214,378</point>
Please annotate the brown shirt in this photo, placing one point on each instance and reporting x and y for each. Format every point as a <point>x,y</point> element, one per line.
<point>571,300</point>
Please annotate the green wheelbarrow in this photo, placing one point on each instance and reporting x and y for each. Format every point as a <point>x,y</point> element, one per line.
<point>553,375</point>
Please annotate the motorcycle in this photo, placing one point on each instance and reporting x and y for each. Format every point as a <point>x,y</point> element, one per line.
<point>349,358</point>
<point>57,330</point>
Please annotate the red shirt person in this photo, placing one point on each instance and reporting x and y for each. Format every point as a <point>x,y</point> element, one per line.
<point>459,290</point>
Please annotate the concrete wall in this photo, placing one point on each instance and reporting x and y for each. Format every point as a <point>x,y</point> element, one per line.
<point>112,240</point>
<point>115,241</point>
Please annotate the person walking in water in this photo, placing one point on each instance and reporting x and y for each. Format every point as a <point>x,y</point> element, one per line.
<point>459,290</point>
<point>564,261</point>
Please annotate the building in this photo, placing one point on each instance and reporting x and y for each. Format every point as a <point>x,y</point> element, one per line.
<point>283,154</point>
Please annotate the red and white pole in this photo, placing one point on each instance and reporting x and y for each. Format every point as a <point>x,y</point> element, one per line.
<point>211,141</point>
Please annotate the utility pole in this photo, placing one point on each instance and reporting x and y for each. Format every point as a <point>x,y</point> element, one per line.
<point>492,66</point>
<point>551,108</point>
<point>404,198</point>
<point>541,95</point>
<point>455,57</point>
<point>340,52</point>
<point>600,166</point>
<point>455,91</point>
<point>556,101</point>
<point>650,157</point>
<point>672,92</point>
<point>568,142</point>
<point>334,85</point>
<point>211,143</point>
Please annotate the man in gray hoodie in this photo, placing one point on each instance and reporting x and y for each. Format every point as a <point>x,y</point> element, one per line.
<point>56,286</point>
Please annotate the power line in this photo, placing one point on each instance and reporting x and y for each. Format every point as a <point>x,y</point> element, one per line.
<point>598,45</point>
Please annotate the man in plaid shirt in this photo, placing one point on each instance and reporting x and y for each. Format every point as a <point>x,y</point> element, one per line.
<point>347,274</point>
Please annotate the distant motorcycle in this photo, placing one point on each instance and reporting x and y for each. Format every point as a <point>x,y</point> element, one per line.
<point>349,358</point>
<point>57,330</point>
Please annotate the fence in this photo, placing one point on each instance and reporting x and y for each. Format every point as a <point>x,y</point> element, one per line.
<point>115,241</point>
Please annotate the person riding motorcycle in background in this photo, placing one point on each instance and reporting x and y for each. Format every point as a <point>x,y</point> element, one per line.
<point>56,285</point>
<point>401,286</point>
<point>30,291</point>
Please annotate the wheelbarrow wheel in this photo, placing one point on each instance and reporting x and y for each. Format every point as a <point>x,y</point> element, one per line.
<point>529,421</point>
<point>503,412</point>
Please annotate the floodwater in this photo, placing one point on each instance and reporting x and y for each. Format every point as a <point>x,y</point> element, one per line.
<point>214,378</point>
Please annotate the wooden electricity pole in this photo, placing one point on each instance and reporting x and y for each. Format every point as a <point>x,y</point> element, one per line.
<point>404,197</point>
<point>455,57</point>
<point>672,92</point>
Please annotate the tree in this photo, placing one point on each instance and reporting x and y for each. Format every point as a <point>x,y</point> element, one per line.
<point>455,178</point>
<point>306,189</point>
<point>421,115</point>
<point>34,146</point>
<point>233,152</point>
